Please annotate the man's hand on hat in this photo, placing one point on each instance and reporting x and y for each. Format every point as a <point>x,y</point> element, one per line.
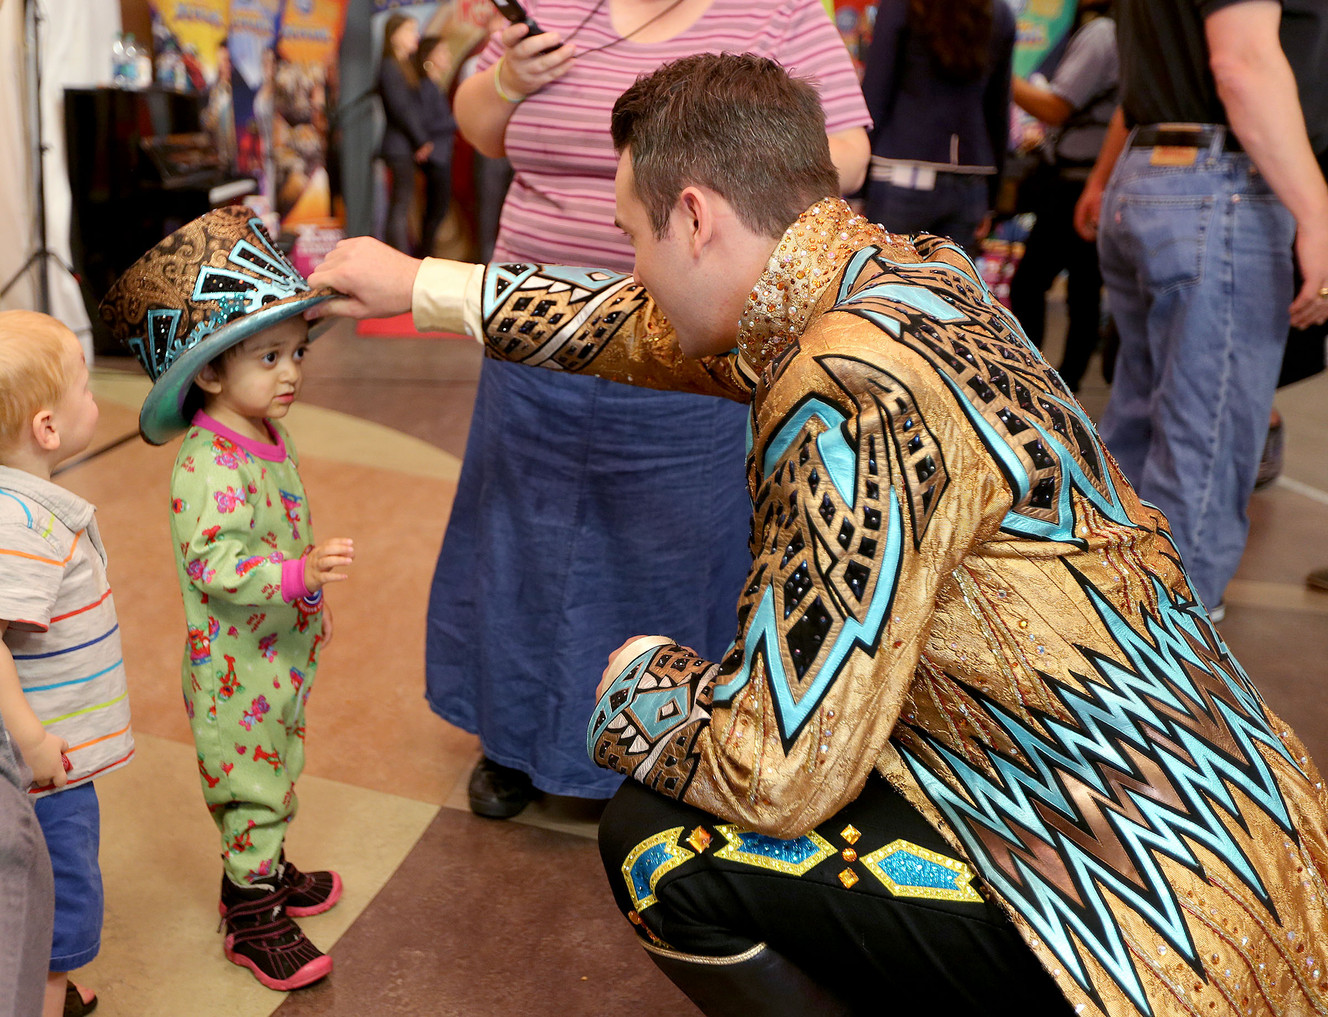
<point>321,563</point>
<point>376,280</point>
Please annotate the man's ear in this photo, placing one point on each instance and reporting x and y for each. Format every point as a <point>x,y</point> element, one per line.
<point>697,217</point>
<point>208,380</point>
<point>44,431</point>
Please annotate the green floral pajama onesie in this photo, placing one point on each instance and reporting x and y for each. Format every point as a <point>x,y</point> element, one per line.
<point>240,526</point>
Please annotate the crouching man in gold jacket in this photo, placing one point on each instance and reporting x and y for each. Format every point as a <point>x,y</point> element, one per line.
<point>976,747</point>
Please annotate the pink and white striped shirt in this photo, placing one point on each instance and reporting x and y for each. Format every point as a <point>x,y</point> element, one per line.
<point>559,209</point>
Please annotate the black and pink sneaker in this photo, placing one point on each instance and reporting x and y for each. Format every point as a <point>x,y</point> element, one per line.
<point>262,936</point>
<point>311,893</point>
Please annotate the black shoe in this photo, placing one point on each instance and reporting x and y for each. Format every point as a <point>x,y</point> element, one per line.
<point>262,937</point>
<point>74,1005</point>
<point>311,893</point>
<point>497,791</point>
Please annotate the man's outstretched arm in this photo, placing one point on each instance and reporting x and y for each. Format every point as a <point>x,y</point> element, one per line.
<point>579,320</point>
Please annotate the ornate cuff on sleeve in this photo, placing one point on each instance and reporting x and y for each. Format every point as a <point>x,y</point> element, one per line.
<point>446,297</point>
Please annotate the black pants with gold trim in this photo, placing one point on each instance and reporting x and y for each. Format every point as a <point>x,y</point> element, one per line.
<point>872,904</point>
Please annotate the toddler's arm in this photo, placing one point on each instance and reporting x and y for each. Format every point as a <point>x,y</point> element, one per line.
<point>41,750</point>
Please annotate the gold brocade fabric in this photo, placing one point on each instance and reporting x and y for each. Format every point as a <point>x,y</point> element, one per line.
<point>953,584</point>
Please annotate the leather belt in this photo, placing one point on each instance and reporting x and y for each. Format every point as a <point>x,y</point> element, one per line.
<point>1185,136</point>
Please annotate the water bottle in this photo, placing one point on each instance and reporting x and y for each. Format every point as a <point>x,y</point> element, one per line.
<point>131,70</point>
<point>119,65</point>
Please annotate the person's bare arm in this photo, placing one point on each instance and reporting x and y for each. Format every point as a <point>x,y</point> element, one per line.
<point>41,749</point>
<point>1041,102</point>
<point>850,151</point>
<point>1089,205</point>
<point>481,111</point>
<point>1258,90</point>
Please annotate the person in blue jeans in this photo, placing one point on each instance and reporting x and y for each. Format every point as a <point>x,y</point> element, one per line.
<point>1212,177</point>
<point>937,85</point>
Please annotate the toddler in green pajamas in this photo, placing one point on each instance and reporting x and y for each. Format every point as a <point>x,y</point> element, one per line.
<point>214,312</point>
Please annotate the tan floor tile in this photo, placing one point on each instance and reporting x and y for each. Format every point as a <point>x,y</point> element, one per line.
<point>161,952</point>
<point>370,688</point>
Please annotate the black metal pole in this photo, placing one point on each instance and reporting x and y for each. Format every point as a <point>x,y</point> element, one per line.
<point>38,153</point>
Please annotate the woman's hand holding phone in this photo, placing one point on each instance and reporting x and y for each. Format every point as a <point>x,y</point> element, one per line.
<point>532,61</point>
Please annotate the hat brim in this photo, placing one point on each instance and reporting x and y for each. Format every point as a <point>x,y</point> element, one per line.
<point>162,415</point>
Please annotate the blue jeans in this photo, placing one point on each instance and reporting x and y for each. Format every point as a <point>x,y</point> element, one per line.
<point>1198,266</point>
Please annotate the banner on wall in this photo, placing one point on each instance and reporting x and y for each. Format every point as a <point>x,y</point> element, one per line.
<point>305,84</point>
<point>269,71</point>
<point>1041,26</point>
<point>253,52</point>
<point>855,19</point>
<point>198,30</point>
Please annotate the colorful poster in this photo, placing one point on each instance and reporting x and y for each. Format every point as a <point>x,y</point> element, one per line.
<point>197,30</point>
<point>252,43</point>
<point>855,19</point>
<point>253,31</point>
<point>1042,24</point>
<point>303,88</point>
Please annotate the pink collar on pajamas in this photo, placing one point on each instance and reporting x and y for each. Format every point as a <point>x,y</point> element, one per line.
<point>275,452</point>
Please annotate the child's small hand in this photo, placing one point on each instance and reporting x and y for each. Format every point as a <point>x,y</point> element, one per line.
<point>46,759</point>
<point>320,563</point>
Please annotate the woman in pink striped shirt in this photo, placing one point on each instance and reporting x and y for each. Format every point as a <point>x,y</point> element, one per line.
<point>545,546</point>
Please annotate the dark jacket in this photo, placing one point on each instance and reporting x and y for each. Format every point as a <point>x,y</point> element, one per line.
<point>403,132</point>
<point>924,116</point>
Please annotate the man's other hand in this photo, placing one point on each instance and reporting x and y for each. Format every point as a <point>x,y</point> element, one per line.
<point>624,655</point>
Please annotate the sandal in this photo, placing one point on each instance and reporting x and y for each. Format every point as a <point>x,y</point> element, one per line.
<point>74,1005</point>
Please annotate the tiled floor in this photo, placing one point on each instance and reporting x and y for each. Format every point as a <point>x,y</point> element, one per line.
<point>445,913</point>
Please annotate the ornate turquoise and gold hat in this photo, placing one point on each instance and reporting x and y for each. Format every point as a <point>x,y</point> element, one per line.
<point>208,286</point>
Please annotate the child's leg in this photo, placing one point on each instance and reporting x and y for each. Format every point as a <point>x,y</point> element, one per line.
<point>71,823</point>
<point>250,752</point>
<point>249,756</point>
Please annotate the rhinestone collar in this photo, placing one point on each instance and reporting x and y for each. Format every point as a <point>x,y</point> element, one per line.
<point>807,259</point>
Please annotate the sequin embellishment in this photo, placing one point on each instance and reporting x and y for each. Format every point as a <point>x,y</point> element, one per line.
<point>792,857</point>
<point>908,870</point>
<point>648,863</point>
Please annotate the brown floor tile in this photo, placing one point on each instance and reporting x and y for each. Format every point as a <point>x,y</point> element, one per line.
<point>422,387</point>
<point>491,918</point>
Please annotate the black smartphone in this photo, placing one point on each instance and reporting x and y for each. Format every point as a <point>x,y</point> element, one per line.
<point>517,15</point>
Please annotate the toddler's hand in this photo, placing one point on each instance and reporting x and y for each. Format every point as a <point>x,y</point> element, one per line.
<point>320,563</point>
<point>46,760</point>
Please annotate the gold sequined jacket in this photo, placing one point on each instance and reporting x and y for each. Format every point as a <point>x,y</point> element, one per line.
<point>953,584</point>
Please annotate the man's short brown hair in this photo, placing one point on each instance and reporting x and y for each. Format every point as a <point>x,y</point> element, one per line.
<point>734,123</point>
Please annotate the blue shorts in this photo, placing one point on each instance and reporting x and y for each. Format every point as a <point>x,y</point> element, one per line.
<point>71,823</point>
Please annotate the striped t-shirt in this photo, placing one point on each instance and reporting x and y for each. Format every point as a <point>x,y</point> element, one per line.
<point>62,632</point>
<point>559,209</point>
